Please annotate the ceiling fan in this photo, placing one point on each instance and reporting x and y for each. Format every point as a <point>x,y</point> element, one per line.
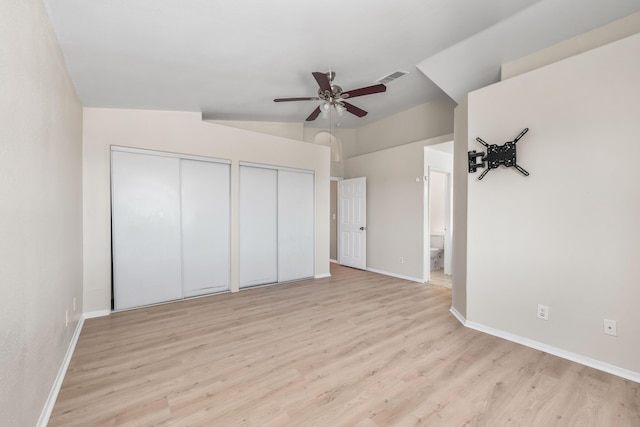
<point>332,95</point>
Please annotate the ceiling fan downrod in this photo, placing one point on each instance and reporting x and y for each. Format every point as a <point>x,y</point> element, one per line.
<point>334,93</point>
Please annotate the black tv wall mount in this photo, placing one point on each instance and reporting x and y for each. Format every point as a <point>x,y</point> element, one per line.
<point>496,155</point>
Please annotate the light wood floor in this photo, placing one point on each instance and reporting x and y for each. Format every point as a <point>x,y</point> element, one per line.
<point>356,349</point>
<point>437,277</point>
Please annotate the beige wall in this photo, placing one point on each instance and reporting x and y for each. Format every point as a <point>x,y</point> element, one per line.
<point>460,173</point>
<point>41,213</point>
<point>297,131</point>
<point>346,140</point>
<point>567,236</point>
<point>182,132</point>
<point>416,124</point>
<point>616,30</point>
<point>283,129</point>
<point>390,153</point>
<point>395,206</point>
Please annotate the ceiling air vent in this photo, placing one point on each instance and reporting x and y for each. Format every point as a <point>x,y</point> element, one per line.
<point>388,78</point>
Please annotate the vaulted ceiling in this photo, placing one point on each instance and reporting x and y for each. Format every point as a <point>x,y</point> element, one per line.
<point>231,58</point>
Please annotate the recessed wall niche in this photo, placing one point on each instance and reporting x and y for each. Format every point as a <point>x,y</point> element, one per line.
<point>330,140</point>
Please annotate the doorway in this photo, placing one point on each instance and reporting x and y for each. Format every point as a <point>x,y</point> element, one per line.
<point>352,222</point>
<point>333,220</point>
<point>438,215</point>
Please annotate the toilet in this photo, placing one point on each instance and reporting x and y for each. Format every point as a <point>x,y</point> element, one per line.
<point>437,251</point>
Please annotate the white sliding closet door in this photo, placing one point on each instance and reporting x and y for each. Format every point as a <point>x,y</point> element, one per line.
<point>146,229</point>
<point>258,226</point>
<point>205,227</point>
<point>295,225</point>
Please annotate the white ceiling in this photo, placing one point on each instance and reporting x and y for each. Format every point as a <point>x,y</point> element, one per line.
<point>231,58</point>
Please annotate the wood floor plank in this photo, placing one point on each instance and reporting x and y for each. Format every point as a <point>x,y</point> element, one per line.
<point>354,349</point>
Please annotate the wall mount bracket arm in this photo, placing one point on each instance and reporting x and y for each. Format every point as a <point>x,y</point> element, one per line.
<point>496,155</point>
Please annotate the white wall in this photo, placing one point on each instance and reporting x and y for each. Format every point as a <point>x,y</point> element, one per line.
<point>395,206</point>
<point>41,211</point>
<point>437,183</point>
<point>567,236</point>
<point>333,221</point>
<point>182,132</point>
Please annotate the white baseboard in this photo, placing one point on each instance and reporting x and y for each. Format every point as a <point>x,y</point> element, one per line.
<point>399,276</point>
<point>574,357</point>
<point>99,313</point>
<point>457,315</point>
<point>55,389</point>
<point>333,261</point>
<point>322,276</point>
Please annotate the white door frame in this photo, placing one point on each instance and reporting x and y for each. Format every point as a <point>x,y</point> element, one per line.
<point>337,204</point>
<point>448,171</point>
<point>448,231</point>
<point>448,220</point>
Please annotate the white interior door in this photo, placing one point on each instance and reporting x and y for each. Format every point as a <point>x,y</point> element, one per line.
<point>295,225</point>
<point>205,227</point>
<point>258,226</point>
<point>352,227</point>
<point>146,229</point>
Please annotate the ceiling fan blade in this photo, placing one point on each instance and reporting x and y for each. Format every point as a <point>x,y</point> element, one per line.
<point>314,98</point>
<point>314,115</point>
<point>323,81</point>
<point>364,91</point>
<point>354,110</point>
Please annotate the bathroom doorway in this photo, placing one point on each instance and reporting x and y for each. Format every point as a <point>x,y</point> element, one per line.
<point>333,220</point>
<point>438,219</point>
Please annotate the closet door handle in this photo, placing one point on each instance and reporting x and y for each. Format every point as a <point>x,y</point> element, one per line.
<point>363,228</point>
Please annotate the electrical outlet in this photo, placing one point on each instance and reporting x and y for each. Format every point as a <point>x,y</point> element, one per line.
<point>610,327</point>
<point>401,260</point>
<point>66,317</point>
<point>543,312</point>
<point>74,304</point>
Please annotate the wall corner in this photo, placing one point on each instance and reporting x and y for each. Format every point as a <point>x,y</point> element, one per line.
<point>459,262</point>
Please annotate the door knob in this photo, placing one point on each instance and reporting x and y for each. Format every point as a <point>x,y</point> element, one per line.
<point>363,228</point>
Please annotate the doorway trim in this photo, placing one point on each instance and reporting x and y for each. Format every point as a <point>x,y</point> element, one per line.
<point>447,169</point>
<point>331,219</point>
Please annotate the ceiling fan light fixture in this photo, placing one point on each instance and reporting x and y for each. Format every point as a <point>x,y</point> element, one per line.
<point>340,109</point>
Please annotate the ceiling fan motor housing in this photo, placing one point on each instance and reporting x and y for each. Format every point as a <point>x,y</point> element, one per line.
<point>331,96</point>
